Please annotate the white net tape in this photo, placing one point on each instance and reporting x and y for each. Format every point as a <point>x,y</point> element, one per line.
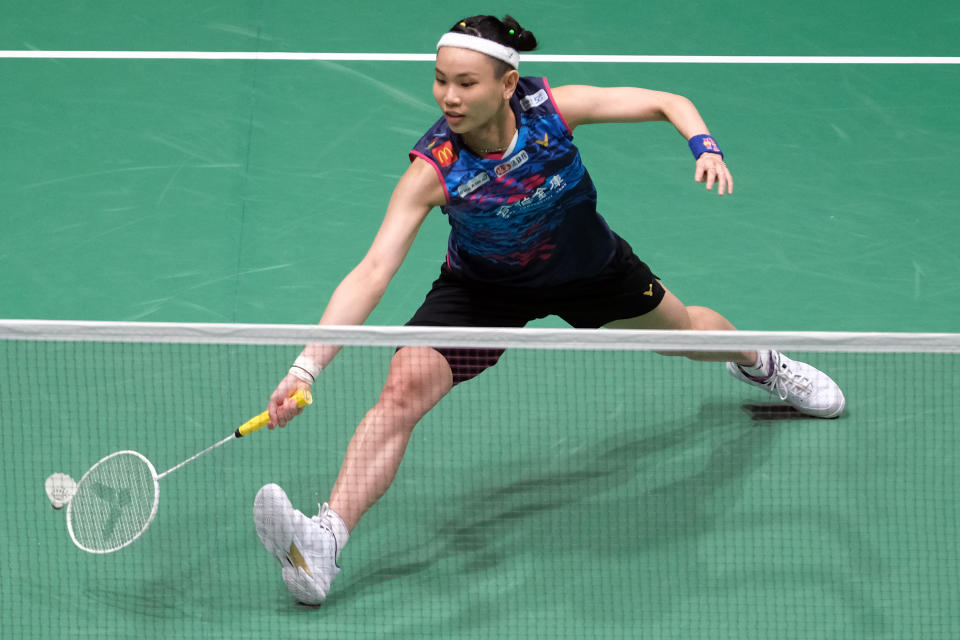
<point>524,338</point>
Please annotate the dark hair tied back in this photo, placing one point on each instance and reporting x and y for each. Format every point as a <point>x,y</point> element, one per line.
<point>507,32</point>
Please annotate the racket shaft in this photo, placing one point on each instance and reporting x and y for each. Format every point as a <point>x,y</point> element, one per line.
<point>302,397</point>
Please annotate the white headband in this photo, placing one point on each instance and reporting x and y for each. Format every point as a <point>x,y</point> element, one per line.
<point>489,47</point>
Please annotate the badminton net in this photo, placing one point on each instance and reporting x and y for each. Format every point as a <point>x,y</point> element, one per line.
<point>585,486</point>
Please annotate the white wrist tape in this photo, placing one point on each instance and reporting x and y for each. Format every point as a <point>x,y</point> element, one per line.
<point>306,369</point>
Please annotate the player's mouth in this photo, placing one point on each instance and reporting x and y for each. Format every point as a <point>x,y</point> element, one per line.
<point>453,117</point>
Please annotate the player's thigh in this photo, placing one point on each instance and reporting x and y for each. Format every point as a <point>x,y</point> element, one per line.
<point>669,314</point>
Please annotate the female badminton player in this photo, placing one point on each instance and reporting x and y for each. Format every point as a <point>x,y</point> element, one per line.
<point>526,241</point>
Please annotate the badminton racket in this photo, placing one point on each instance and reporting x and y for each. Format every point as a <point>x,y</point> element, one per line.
<point>117,499</point>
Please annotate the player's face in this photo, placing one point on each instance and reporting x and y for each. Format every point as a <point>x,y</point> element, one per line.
<point>466,90</point>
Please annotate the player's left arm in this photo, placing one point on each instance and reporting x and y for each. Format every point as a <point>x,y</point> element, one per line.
<point>583,104</point>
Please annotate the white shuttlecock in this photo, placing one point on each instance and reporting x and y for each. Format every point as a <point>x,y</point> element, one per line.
<point>60,489</point>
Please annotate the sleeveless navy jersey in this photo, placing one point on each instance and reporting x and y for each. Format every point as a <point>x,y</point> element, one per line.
<point>528,218</point>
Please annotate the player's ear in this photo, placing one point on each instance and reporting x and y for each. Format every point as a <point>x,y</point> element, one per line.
<point>510,80</point>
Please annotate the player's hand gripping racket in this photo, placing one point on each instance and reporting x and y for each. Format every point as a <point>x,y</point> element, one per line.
<point>117,499</point>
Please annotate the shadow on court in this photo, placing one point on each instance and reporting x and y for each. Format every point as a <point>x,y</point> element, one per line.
<point>644,504</point>
<point>629,477</point>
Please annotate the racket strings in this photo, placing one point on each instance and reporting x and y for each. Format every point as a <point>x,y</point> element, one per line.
<point>114,503</point>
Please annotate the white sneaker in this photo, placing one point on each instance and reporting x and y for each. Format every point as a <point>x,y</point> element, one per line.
<point>798,384</point>
<point>306,547</point>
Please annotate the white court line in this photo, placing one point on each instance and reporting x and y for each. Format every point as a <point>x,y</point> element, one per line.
<point>428,57</point>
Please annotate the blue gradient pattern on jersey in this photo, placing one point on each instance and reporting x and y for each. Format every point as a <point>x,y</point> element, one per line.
<point>529,218</point>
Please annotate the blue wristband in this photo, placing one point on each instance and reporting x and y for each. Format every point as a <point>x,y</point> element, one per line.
<point>702,144</point>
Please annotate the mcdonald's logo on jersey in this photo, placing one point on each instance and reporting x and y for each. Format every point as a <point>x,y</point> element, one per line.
<point>444,154</point>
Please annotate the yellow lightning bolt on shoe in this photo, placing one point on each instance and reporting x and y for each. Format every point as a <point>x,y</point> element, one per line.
<point>296,559</point>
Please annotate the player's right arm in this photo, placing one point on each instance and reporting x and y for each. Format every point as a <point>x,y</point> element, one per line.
<point>416,193</point>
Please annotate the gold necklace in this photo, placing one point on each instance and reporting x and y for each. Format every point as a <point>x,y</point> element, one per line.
<point>487,151</point>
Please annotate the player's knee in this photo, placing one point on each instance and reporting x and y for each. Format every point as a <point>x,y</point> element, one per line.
<point>706,319</point>
<point>400,391</point>
<point>418,378</point>
<point>700,318</point>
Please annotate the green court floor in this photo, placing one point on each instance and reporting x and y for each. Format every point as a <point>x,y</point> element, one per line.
<point>598,494</point>
<point>592,495</point>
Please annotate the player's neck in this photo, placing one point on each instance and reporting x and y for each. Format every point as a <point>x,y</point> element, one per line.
<point>495,136</point>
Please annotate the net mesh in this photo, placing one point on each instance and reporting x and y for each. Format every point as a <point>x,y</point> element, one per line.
<point>584,487</point>
<point>115,500</point>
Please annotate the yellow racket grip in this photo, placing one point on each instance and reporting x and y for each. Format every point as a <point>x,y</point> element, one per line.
<point>303,398</point>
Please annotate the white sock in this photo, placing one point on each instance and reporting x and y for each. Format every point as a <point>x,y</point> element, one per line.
<point>762,368</point>
<point>339,528</point>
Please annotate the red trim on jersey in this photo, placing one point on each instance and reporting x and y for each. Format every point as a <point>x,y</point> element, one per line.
<point>436,167</point>
<point>546,84</point>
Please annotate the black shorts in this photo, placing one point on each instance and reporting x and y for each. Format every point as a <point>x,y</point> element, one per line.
<point>625,288</point>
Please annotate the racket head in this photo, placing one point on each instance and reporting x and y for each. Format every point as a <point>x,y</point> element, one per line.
<point>115,502</point>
